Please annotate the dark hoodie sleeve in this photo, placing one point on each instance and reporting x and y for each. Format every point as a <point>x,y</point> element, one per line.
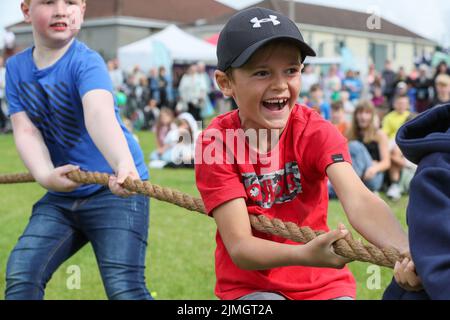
<point>429,224</point>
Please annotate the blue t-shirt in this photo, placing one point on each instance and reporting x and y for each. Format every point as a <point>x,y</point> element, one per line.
<point>325,109</point>
<point>353,86</point>
<point>52,99</point>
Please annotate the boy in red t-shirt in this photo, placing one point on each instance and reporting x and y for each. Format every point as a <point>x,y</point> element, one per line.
<point>272,157</point>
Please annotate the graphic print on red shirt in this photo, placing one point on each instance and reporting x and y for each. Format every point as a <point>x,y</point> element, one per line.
<point>277,187</point>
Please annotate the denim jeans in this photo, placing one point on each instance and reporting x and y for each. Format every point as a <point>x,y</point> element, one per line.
<point>361,161</point>
<point>116,227</point>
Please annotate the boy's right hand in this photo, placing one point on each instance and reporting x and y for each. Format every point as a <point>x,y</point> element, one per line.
<point>320,253</point>
<point>56,180</point>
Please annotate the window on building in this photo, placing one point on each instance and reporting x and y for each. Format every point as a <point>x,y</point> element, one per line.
<point>321,49</point>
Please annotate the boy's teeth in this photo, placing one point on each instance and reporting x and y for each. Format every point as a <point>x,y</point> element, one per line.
<point>275,103</point>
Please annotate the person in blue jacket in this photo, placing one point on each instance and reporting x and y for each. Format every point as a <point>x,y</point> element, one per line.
<point>426,142</point>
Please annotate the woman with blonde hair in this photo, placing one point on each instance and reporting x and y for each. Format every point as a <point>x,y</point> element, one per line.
<point>369,146</point>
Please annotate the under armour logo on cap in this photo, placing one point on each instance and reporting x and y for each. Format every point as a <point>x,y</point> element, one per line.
<point>250,29</point>
<point>257,23</point>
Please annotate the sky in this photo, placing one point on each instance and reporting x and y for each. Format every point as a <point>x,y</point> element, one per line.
<point>431,21</point>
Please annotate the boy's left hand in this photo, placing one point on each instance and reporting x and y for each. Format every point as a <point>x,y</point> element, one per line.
<point>406,276</point>
<point>115,182</point>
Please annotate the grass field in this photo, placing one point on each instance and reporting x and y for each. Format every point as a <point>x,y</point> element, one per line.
<point>180,255</point>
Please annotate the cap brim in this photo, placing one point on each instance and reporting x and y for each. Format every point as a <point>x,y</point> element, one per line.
<point>305,49</point>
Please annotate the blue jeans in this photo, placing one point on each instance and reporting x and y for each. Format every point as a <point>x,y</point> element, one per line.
<point>361,161</point>
<point>59,226</point>
<point>166,156</point>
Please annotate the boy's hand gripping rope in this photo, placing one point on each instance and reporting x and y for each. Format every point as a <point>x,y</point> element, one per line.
<point>348,248</point>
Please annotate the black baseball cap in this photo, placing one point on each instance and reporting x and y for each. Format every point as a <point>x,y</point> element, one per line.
<point>250,29</point>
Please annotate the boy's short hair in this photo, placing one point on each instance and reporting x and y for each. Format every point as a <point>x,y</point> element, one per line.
<point>443,79</point>
<point>315,87</point>
<point>249,30</point>
<point>337,106</point>
<point>400,96</point>
<point>29,1</point>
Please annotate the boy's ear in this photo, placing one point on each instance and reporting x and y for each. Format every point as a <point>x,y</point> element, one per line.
<point>25,11</point>
<point>224,83</point>
<point>83,10</point>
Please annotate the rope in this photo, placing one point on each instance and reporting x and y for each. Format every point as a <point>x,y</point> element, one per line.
<point>348,248</point>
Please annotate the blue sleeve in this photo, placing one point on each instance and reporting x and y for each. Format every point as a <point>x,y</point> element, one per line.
<point>11,89</point>
<point>429,225</point>
<point>92,74</point>
<point>326,109</point>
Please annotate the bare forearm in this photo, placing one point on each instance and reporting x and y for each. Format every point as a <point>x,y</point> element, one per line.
<point>104,129</point>
<point>373,219</point>
<point>259,254</point>
<point>33,152</point>
<point>110,140</point>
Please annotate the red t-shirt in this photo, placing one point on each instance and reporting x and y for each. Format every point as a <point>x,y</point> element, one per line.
<point>293,187</point>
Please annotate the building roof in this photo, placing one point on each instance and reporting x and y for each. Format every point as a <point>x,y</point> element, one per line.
<point>171,11</point>
<point>166,10</point>
<point>319,15</point>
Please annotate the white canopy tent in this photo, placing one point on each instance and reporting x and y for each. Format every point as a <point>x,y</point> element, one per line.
<point>171,44</point>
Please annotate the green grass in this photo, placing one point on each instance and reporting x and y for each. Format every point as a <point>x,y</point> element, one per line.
<point>180,255</point>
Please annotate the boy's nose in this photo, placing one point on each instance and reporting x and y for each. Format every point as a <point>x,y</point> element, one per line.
<point>279,83</point>
<point>60,8</point>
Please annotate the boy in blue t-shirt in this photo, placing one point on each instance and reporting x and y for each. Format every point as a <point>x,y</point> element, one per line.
<point>64,118</point>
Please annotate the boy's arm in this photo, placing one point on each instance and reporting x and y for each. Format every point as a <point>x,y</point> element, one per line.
<point>104,129</point>
<point>35,155</point>
<point>251,253</point>
<point>366,212</point>
<point>372,218</point>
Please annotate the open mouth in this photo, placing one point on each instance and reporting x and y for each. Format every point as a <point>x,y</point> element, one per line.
<point>59,25</point>
<point>277,104</point>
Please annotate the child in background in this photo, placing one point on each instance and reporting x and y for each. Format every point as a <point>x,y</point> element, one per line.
<point>338,117</point>
<point>353,85</point>
<point>442,90</point>
<point>151,115</point>
<point>318,103</point>
<point>391,123</point>
<point>379,102</point>
<point>349,107</point>
<point>166,135</point>
<point>396,118</point>
<point>369,146</point>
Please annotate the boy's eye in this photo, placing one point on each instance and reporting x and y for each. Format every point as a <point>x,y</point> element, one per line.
<point>293,71</point>
<point>261,73</point>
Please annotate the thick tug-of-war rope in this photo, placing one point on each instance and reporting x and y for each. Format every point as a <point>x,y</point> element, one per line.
<point>348,248</point>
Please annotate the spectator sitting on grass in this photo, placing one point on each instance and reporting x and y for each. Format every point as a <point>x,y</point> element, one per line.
<point>391,123</point>
<point>369,147</point>
<point>178,145</point>
<point>163,127</point>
